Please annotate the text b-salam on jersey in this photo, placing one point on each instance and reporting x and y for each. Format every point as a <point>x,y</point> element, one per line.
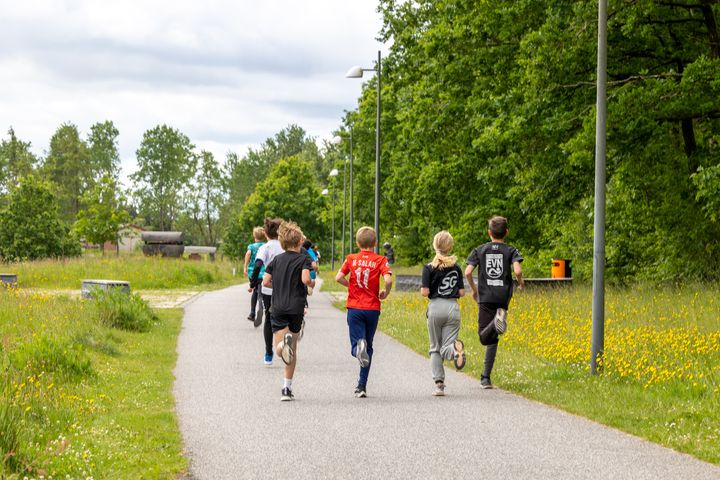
<point>365,269</point>
<point>494,263</point>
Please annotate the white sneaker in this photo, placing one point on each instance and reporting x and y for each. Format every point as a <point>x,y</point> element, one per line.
<point>500,321</point>
<point>362,354</point>
<point>310,290</point>
<point>286,352</point>
<point>439,390</point>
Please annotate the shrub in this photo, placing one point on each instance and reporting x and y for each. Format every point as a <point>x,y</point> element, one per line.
<point>45,354</point>
<point>124,311</point>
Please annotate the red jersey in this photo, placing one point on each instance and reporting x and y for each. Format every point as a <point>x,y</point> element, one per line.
<point>365,269</point>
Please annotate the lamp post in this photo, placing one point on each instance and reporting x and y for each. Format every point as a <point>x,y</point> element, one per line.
<point>357,72</point>
<point>336,141</point>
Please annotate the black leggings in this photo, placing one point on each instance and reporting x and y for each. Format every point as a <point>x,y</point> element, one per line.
<point>267,327</point>
<point>254,300</point>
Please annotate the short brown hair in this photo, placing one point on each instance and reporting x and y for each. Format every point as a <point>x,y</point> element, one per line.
<point>259,234</point>
<point>290,235</point>
<point>271,227</point>
<point>498,227</point>
<point>366,237</point>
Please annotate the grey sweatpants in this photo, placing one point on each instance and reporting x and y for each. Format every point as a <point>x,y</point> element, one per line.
<point>443,319</point>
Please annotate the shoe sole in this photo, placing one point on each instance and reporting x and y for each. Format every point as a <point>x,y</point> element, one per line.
<point>286,399</point>
<point>500,321</point>
<point>362,354</point>
<point>267,364</point>
<point>459,359</point>
<point>258,318</point>
<point>302,331</point>
<point>287,353</point>
<point>361,395</point>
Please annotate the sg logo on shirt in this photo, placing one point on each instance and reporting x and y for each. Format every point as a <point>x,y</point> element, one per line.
<point>447,285</point>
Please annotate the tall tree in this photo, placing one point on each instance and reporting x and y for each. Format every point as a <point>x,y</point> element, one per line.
<point>103,214</point>
<point>166,162</point>
<point>103,150</point>
<point>204,199</point>
<point>16,161</point>
<point>68,167</point>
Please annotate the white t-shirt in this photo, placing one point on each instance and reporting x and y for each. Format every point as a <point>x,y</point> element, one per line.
<point>266,253</point>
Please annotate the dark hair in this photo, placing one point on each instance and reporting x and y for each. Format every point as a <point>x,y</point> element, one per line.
<point>307,244</point>
<point>271,227</point>
<point>498,227</point>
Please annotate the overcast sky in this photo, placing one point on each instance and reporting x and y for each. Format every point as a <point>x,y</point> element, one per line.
<point>226,73</point>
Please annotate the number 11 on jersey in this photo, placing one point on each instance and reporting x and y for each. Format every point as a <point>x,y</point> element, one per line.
<point>363,277</point>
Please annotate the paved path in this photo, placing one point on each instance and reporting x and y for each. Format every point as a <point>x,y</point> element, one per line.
<point>235,426</point>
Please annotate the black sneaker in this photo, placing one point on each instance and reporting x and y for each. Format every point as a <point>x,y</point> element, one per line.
<point>286,353</point>
<point>258,317</point>
<point>287,395</point>
<point>360,391</point>
<point>362,354</point>
<point>251,317</point>
<point>485,382</point>
<point>500,321</point>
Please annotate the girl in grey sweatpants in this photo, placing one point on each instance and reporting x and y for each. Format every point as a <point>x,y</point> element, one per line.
<point>442,282</point>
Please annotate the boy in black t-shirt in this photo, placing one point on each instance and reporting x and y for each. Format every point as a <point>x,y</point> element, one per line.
<point>288,274</point>
<point>494,289</point>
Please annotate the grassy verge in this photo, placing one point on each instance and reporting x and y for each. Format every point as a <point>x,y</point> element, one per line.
<point>329,284</point>
<point>661,373</point>
<point>86,390</point>
<point>143,273</point>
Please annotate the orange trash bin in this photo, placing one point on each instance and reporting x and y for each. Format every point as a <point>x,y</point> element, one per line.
<point>560,268</point>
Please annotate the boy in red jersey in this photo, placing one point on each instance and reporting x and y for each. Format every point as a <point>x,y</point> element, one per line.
<point>363,303</point>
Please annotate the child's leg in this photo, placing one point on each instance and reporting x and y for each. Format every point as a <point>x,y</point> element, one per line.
<point>278,338</point>
<point>254,301</point>
<point>267,328</point>
<point>356,328</point>
<point>435,323</point>
<point>371,322</point>
<point>490,353</point>
<point>450,331</point>
<point>486,330</point>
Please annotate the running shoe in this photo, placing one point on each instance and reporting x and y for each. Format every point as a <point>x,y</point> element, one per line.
<point>500,321</point>
<point>268,359</point>
<point>251,317</point>
<point>258,317</point>
<point>362,354</point>
<point>485,382</point>
<point>309,290</point>
<point>287,395</point>
<point>459,359</point>
<point>439,389</point>
<point>302,330</point>
<point>286,353</point>
<point>360,391</point>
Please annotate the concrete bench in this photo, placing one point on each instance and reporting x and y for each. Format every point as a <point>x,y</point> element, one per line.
<point>8,279</point>
<point>195,252</point>
<point>88,286</point>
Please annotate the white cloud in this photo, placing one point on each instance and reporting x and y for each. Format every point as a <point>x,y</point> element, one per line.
<point>228,74</point>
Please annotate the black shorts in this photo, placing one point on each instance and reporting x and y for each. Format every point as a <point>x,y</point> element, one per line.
<point>286,320</point>
<point>486,315</point>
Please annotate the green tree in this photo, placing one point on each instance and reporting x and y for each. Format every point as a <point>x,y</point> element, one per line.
<point>166,162</point>
<point>103,214</point>
<point>203,200</point>
<point>103,150</point>
<point>68,167</point>
<point>290,192</point>
<point>30,224</point>
<point>16,161</point>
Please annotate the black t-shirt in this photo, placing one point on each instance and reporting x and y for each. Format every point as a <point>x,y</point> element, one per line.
<point>289,293</point>
<point>443,283</point>
<point>494,262</point>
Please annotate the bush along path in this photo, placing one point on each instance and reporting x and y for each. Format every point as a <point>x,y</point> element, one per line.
<point>85,390</point>
<point>234,425</point>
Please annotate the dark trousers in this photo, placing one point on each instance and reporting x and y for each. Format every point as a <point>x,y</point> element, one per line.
<point>488,335</point>
<point>362,324</point>
<point>254,300</point>
<point>267,327</point>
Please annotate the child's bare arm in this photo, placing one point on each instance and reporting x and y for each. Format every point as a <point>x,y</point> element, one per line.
<point>518,274</point>
<point>247,260</point>
<point>388,286</point>
<point>425,292</point>
<point>340,278</point>
<point>469,277</point>
<point>306,278</point>
<point>267,280</point>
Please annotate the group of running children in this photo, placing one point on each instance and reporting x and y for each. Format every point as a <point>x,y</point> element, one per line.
<point>282,274</point>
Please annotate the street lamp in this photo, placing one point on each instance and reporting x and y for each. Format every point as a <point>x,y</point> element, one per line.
<point>357,72</point>
<point>336,141</point>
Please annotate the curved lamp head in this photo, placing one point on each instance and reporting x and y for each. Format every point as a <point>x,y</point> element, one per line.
<point>325,191</point>
<point>354,72</point>
<point>334,172</point>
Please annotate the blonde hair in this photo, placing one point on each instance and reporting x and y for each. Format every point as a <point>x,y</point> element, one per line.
<point>259,234</point>
<point>366,237</point>
<point>443,245</point>
<point>290,235</point>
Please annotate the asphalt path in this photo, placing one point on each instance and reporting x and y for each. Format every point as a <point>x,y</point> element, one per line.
<point>235,427</point>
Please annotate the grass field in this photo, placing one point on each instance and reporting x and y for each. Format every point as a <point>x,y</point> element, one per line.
<point>661,372</point>
<point>81,399</point>
<point>142,272</point>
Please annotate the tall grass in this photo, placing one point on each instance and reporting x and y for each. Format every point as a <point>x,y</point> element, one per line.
<point>661,372</point>
<point>142,272</point>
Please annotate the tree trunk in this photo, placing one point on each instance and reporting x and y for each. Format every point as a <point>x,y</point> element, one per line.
<point>711,24</point>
